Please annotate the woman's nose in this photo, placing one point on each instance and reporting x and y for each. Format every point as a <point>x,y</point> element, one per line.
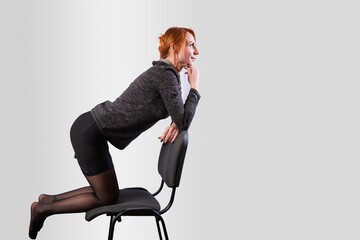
<point>196,52</point>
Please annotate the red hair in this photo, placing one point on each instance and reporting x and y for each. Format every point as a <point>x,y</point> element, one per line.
<point>176,36</point>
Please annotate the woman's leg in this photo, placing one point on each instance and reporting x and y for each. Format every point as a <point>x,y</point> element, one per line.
<point>105,191</point>
<point>46,198</point>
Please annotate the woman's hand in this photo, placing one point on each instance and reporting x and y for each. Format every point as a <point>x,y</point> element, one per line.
<point>193,77</point>
<point>170,134</point>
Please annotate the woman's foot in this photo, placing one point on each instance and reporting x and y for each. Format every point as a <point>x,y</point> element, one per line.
<point>36,221</point>
<point>44,198</point>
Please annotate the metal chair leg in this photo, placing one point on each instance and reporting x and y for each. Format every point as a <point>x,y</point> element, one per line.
<point>158,228</point>
<point>164,229</point>
<point>159,218</point>
<point>111,227</point>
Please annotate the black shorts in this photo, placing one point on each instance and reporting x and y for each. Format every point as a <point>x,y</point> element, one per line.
<point>90,146</point>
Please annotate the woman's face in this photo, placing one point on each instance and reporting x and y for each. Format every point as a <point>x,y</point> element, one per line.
<point>188,53</point>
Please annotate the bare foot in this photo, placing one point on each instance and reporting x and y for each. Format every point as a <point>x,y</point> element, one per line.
<point>36,221</point>
<point>44,198</point>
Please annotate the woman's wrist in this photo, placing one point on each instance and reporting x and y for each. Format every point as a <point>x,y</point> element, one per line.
<point>195,86</point>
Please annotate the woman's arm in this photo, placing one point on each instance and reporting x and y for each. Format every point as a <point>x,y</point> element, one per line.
<point>181,114</point>
<point>171,132</point>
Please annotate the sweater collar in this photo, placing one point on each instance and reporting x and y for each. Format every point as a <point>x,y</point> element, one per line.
<point>167,62</point>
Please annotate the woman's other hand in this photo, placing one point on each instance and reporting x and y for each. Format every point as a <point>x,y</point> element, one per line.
<point>170,134</point>
<point>193,77</point>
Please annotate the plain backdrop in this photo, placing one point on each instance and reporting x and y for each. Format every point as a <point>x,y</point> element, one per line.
<point>274,146</point>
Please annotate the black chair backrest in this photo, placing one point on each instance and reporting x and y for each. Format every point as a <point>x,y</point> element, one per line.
<point>171,159</point>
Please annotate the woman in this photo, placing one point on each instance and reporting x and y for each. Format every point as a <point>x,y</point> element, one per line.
<point>154,95</point>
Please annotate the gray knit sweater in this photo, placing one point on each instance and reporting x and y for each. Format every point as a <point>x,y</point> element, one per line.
<point>152,96</point>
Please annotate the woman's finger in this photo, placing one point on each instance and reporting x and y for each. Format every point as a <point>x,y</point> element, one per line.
<point>175,136</point>
<point>163,136</point>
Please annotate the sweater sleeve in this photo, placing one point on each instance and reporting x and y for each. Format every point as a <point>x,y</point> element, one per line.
<point>181,113</point>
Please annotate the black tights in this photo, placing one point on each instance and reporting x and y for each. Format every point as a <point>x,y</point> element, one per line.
<point>103,190</point>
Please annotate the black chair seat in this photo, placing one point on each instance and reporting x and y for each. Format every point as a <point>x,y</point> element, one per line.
<point>135,201</point>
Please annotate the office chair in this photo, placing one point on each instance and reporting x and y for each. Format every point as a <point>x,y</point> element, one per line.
<point>139,201</point>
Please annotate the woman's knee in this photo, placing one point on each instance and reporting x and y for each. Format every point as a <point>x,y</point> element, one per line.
<point>105,186</point>
<point>109,197</point>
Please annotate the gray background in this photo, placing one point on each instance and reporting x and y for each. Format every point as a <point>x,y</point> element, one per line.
<point>274,147</point>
